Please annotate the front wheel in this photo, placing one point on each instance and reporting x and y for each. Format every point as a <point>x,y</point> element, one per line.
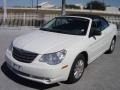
<point>77,69</point>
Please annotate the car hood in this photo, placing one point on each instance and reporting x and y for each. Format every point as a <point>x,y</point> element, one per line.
<point>45,42</point>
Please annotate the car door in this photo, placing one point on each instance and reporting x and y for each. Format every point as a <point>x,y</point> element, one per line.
<point>104,26</point>
<point>96,43</point>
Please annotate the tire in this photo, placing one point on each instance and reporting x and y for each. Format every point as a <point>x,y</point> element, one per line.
<point>112,46</point>
<point>77,69</point>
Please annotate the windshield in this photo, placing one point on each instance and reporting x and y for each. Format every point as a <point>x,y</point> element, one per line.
<point>67,25</point>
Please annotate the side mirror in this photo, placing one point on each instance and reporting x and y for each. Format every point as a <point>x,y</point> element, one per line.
<point>95,32</point>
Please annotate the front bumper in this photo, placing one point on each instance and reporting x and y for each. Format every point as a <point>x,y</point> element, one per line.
<point>37,71</point>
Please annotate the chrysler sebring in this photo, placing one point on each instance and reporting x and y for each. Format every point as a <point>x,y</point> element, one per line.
<point>61,49</point>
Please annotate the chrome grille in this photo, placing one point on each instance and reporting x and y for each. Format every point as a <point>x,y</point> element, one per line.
<point>23,56</point>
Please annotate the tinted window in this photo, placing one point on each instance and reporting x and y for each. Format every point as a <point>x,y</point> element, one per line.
<point>95,24</point>
<point>103,24</point>
<point>99,24</point>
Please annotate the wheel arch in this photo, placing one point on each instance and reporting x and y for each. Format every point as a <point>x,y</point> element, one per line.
<point>115,37</point>
<point>85,54</point>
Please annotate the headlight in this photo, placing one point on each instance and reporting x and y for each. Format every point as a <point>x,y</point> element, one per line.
<point>53,58</point>
<point>11,46</point>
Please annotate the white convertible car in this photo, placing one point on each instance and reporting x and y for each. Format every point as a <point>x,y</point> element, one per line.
<point>61,49</point>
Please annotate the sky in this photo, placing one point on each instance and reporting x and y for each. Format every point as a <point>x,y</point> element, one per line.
<point>56,2</point>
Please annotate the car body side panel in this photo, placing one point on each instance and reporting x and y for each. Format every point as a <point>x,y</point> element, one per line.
<point>99,44</point>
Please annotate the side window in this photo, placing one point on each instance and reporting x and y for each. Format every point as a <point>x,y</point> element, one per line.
<point>100,24</point>
<point>104,24</point>
<point>96,24</point>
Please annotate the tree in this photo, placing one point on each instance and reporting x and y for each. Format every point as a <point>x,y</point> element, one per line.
<point>96,5</point>
<point>71,6</point>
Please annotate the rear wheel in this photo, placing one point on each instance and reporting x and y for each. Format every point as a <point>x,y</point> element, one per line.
<point>112,46</point>
<point>77,69</point>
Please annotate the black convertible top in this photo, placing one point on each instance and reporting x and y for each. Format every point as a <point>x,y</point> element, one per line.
<point>88,16</point>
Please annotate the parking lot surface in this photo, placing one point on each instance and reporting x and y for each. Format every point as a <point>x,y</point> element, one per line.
<point>102,74</point>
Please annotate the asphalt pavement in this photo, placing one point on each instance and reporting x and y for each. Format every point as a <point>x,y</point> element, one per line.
<point>102,74</point>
